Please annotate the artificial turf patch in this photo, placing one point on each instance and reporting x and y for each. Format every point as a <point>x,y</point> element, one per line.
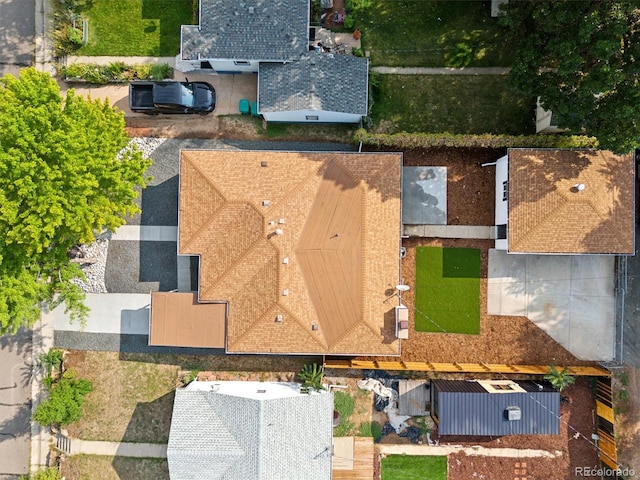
<point>448,290</point>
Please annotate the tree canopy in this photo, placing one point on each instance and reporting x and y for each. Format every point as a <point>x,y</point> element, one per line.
<point>65,175</point>
<point>583,60</point>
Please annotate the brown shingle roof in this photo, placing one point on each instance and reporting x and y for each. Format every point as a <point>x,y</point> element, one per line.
<point>179,320</point>
<point>547,214</point>
<point>340,215</point>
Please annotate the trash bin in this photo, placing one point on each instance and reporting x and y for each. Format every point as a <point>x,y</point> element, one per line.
<point>254,109</point>
<point>244,107</point>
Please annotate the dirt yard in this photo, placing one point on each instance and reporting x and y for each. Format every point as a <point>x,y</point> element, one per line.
<point>627,416</point>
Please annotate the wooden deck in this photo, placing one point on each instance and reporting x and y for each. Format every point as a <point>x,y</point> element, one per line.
<point>362,462</point>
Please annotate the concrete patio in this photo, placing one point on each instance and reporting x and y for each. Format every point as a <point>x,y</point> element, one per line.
<point>571,298</point>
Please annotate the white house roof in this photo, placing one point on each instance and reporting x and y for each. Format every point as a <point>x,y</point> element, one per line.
<point>250,430</point>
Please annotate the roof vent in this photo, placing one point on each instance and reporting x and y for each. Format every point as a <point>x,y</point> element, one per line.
<point>262,391</point>
<point>314,327</point>
<point>279,231</point>
<point>266,203</point>
<point>279,318</point>
<point>281,221</point>
<point>512,413</point>
<point>263,164</point>
<point>285,260</point>
<point>252,9</point>
<point>285,292</point>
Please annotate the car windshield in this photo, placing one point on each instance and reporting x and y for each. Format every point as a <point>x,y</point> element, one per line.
<point>187,95</point>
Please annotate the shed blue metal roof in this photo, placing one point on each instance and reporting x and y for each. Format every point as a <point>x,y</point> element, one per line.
<point>467,408</point>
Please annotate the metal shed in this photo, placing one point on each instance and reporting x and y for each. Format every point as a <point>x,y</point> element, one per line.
<point>494,407</point>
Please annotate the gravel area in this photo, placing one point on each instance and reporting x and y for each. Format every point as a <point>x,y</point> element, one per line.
<point>94,272</point>
<point>111,342</point>
<point>141,267</point>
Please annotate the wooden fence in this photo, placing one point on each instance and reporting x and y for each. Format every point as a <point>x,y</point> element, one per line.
<point>399,365</point>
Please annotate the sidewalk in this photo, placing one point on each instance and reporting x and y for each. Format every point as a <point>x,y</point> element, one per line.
<point>471,451</point>
<point>137,450</point>
<point>450,231</point>
<point>40,438</point>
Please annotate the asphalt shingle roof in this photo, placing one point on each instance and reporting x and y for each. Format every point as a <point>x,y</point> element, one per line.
<point>248,30</point>
<point>316,81</point>
<point>221,436</point>
<point>547,214</point>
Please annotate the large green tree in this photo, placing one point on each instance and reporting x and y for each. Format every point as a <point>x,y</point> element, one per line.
<point>583,59</point>
<point>64,177</point>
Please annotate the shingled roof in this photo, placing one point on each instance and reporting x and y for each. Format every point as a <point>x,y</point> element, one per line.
<point>548,214</point>
<point>317,81</point>
<point>252,30</point>
<point>303,246</point>
<point>250,430</point>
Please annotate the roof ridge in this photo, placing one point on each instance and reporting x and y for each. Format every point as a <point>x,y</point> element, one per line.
<point>231,268</point>
<point>539,225</point>
<point>205,224</point>
<point>264,315</point>
<point>296,189</point>
<point>614,226</point>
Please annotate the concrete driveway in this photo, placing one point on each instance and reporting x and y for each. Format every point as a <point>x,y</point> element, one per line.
<point>17,35</point>
<point>15,403</point>
<point>571,298</point>
<point>229,90</point>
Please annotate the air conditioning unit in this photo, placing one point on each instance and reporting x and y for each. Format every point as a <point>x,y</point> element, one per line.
<point>512,414</point>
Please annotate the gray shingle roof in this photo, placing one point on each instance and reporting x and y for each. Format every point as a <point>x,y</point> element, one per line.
<point>276,30</point>
<point>220,436</point>
<point>316,81</point>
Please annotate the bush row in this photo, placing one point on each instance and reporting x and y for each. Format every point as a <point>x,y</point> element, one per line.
<point>115,72</point>
<point>405,140</point>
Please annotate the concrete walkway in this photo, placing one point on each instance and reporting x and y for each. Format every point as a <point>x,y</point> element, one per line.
<point>450,231</point>
<point>146,233</point>
<point>118,313</point>
<point>443,71</point>
<point>110,449</point>
<point>471,451</point>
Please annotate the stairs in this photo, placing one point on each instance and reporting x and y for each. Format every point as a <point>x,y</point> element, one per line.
<point>63,443</point>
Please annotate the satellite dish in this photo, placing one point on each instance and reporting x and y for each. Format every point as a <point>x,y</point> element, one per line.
<point>402,288</point>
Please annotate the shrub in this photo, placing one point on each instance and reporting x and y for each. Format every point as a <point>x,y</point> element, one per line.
<point>64,404</point>
<point>114,72</point>
<point>50,473</point>
<point>559,379</point>
<point>406,140</point>
<point>312,375</point>
<point>52,359</point>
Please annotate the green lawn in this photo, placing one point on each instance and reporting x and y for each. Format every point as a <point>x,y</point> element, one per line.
<point>412,467</point>
<point>450,103</point>
<point>448,290</point>
<point>424,33</point>
<point>136,27</point>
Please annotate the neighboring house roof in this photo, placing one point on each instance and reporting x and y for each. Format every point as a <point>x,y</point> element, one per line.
<point>254,30</point>
<point>467,408</point>
<point>250,430</point>
<point>547,214</point>
<point>317,81</point>
<point>321,285</point>
<point>179,320</point>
